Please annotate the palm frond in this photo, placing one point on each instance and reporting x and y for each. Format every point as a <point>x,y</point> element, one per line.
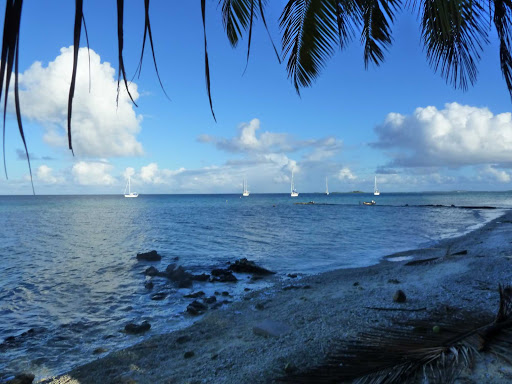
<point>88,49</point>
<point>206,63</point>
<point>502,21</point>
<point>147,32</point>
<point>410,350</point>
<point>236,17</point>
<point>262,14</point>
<point>454,33</point>
<point>10,60</point>
<point>120,43</point>
<point>76,45</point>
<point>377,17</point>
<point>309,37</point>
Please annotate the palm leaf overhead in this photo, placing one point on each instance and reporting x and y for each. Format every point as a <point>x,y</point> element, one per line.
<point>454,32</point>
<point>309,36</point>
<point>411,350</point>
<point>502,21</point>
<point>377,17</point>
<point>120,44</point>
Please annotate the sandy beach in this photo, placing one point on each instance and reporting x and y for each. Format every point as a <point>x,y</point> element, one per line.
<point>294,324</point>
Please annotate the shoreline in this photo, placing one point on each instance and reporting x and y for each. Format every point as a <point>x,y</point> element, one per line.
<point>311,313</point>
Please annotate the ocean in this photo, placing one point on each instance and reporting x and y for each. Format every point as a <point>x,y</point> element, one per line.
<point>70,280</point>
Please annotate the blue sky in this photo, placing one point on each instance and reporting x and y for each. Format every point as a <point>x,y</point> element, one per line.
<point>399,121</point>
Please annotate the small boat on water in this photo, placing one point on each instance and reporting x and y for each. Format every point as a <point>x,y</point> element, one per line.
<point>294,192</point>
<point>369,202</point>
<point>130,193</point>
<point>326,187</point>
<point>376,192</point>
<point>246,191</point>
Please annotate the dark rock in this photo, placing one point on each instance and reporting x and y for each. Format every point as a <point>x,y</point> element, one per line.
<point>247,289</point>
<point>225,293</point>
<point>22,378</point>
<point>256,278</point>
<point>170,268</point>
<point>201,277</point>
<point>210,300</point>
<point>188,354</point>
<point>99,351</point>
<point>216,293</point>
<point>12,341</point>
<point>159,296</point>
<point>186,283</point>
<point>399,296</point>
<point>356,284</point>
<point>137,328</point>
<point>179,274</point>
<point>394,281</point>
<point>247,266</point>
<point>196,308</point>
<point>176,258</point>
<point>148,285</point>
<point>194,295</point>
<point>223,276</point>
<point>290,287</point>
<point>464,252</point>
<point>183,339</point>
<point>292,275</point>
<point>307,286</point>
<point>220,304</point>
<point>151,271</point>
<point>259,306</point>
<point>149,256</point>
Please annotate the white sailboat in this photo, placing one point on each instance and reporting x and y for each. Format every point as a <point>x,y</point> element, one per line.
<point>246,191</point>
<point>294,192</point>
<point>326,187</point>
<point>376,192</point>
<point>130,193</point>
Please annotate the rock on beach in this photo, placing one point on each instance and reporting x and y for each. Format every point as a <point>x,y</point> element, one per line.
<point>247,266</point>
<point>149,256</point>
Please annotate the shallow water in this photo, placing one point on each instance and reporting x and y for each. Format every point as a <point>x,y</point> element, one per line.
<point>70,273</point>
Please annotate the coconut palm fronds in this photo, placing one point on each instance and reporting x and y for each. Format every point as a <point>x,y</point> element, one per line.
<point>435,350</point>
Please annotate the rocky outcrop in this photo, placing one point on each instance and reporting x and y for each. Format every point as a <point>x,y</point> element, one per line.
<point>22,378</point>
<point>135,329</point>
<point>247,266</point>
<point>223,276</point>
<point>196,308</point>
<point>151,271</point>
<point>149,256</point>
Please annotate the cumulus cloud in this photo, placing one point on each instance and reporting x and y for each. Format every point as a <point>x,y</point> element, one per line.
<point>345,174</point>
<point>490,173</point>
<point>249,141</point>
<point>100,128</point>
<point>151,174</point>
<point>44,174</point>
<point>457,135</point>
<point>93,173</point>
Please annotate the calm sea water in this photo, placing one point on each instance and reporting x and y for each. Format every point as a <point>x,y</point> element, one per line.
<point>70,274</point>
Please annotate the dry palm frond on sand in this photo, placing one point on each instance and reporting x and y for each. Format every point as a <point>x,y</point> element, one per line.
<point>434,350</point>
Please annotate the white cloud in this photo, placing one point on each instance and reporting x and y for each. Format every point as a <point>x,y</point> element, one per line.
<point>345,174</point>
<point>93,173</point>
<point>490,173</point>
<point>128,172</point>
<point>457,135</point>
<point>100,128</point>
<point>45,175</point>
<point>151,174</point>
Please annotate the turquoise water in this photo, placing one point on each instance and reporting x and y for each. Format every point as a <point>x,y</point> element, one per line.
<point>69,270</point>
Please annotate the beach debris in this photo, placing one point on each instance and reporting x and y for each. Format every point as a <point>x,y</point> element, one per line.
<point>399,296</point>
<point>149,256</point>
<point>135,329</point>
<point>99,351</point>
<point>22,378</point>
<point>247,266</point>
<point>223,276</point>
<point>188,354</point>
<point>271,328</point>
<point>210,300</point>
<point>151,271</point>
<point>194,295</point>
<point>159,296</point>
<point>148,284</point>
<point>464,252</point>
<point>414,351</point>
<point>196,308</point>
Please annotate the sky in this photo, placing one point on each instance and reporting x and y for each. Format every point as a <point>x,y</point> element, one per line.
<point>399,122</point>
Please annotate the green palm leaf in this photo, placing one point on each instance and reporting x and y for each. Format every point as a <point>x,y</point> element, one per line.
<point>454,32</point>
<point>120,43</point>
<point>502,21</point>
<point>236,17</point>
<point>309,37</point>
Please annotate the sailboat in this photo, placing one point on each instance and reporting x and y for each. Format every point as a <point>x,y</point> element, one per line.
<point>375,190</point>
<point>130,193</point>
<point>245,192</point>
<point>294,192</point>
<point>326,187</point>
